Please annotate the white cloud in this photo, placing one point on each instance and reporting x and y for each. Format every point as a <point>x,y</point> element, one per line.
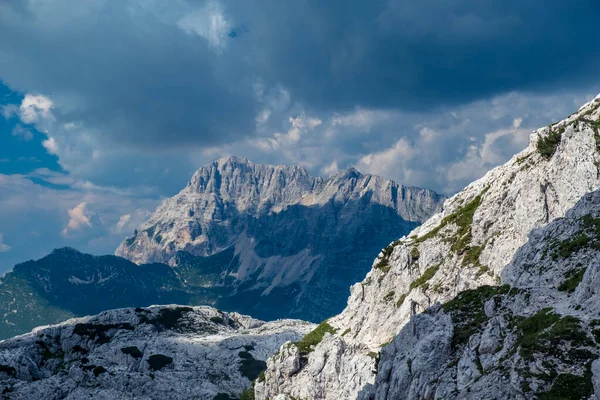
<point>123,220</point>
<point>9,110</point>
<point>363,119</point>
<point>35,108</point>
<point>480,159</point>
<point>3,246</point>
<point>385,162</point>
<point>330,169</point>
<point>33,217</point>
<point>50,145</point>
<point>299,126</point>
<point>210,23</point>
<point>517,123</point>
<point>22,133</point>
<point>77,218</point>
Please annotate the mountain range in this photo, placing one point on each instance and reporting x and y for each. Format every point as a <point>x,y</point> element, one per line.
<point>269,241</point>
<point>494,297</point>
<point>287,244</point>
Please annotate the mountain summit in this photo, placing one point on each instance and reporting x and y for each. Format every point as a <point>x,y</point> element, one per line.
<point>268,240</point>
<point>288,244</point>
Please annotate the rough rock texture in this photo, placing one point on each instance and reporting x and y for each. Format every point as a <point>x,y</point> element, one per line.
<point>537,336</point>
<point>159,352</point>
<point>289,244</point>
<point>466,246</point>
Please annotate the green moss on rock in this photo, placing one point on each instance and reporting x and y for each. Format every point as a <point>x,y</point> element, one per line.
<point>467,311</point>
<point>389,296</point>
<point>573,280</point>
<point>544,332</point>
<point>401,300</point>
<point>384,262</point>
<point>414,253</point>
<point>570,387</point>
<point>423,279</point>
<point>461,240</point>
<point>548,144</point>
<point>313,338</point>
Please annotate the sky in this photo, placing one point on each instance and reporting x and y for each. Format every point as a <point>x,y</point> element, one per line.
<point>108,107</point>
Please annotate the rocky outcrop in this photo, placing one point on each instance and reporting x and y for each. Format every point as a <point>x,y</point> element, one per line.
<point>536,336</point>
<point>465,247</point>
<point>288,244</point>
<point>158,352</point>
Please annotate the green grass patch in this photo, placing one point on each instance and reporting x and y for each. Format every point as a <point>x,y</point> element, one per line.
<point>467,311</point>
<point>463,218</point>
<point>573,280</point>
<point>248,393</point>
<point>472,254</point>
<point>545,331</point>
<point>548,144</point>
<point>414,253</point>
<point>384,262</point>
<point>570,387</point>
<point>401,300</point>
<point>313,338</point>
<point>389,296</point>
<point>520,160</point>
<point>588,237</point>
<point>571,245</point>
<point>591,224</point>
<point>427,275</point>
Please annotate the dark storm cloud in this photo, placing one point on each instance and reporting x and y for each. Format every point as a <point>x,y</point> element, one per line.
<point>131,70</point>
<point>403,53</point>
<point>119,68</point>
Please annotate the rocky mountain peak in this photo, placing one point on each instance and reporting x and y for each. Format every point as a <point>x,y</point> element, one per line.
<point>250,186</point>
<point>346,174</point>
<point>285,229</point>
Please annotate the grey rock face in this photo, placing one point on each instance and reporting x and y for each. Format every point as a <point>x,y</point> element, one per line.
<point>158,352</point>
<point>296,242</point>
<point>464,247</point>
<point>534,337</point>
